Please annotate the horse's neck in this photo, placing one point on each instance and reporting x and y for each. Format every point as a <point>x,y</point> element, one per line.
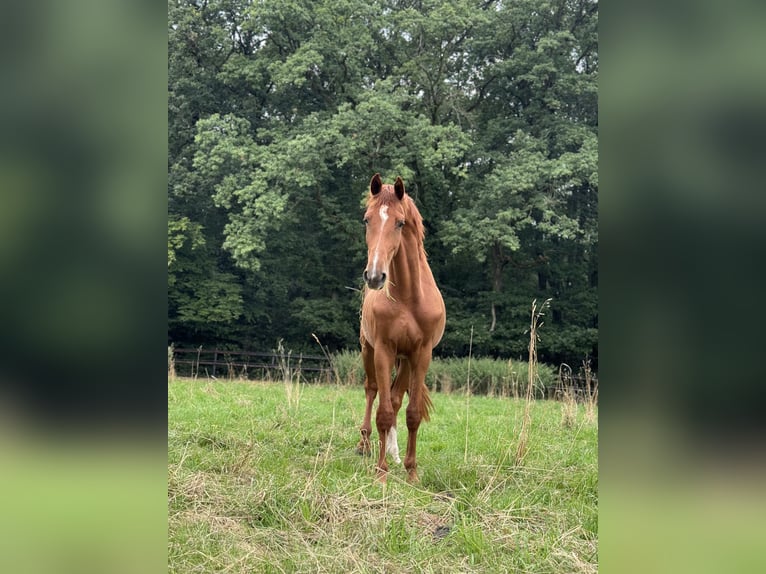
<point>410,269</point>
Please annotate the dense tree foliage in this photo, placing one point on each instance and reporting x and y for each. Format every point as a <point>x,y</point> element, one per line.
<point>279,113</point>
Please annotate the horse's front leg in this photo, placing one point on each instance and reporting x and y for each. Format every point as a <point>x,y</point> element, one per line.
<point>370,391</point>
<point>365,430</point>
<point>384,418</point>
<point>400,386</point>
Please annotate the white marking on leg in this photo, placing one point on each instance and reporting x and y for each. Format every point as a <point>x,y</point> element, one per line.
<point>392,447</point>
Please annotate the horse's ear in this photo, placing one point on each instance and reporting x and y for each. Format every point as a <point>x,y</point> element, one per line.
<point>376,184</point>
<point>399,188</point>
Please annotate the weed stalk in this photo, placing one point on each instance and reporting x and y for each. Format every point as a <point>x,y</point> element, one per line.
<point>290,377</point>
<point>591,397</point>
<point>468,395</point>
<point>330,360</point>
<point>171,362</point>
<point>534,324</point>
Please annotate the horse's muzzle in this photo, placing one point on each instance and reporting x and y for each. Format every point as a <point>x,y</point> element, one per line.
<point>374,281</point>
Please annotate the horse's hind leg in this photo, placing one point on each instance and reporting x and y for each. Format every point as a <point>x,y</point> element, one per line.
<point>416,409</point>
<point>370,391</point>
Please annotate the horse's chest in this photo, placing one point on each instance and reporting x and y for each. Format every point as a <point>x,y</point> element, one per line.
<point>398,325</point>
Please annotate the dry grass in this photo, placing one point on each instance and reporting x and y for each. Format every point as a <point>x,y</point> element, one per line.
<point>291,377</point>
<point>591,397</point>
<point>566,393</point>
<point>570,393</point>
<point>336,379</point>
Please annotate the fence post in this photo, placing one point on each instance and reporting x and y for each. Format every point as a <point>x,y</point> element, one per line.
<point>215,361</point>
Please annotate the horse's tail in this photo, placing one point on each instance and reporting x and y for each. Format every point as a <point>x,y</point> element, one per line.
<point>403,378</point>
<point>426,405</point>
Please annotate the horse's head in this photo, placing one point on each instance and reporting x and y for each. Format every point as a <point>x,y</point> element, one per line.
<point>384,219</point>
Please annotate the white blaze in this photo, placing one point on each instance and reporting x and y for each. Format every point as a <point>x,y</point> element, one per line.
<point>383,217</point>
<point>392,447</point>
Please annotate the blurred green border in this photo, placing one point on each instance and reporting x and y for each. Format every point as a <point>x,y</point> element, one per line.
<point>682,119</point>
<point>83,161</point>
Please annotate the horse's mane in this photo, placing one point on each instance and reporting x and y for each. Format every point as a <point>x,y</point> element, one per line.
<point>412,216</point>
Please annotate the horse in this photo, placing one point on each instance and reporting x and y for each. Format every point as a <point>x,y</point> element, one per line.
<point>402,320</point>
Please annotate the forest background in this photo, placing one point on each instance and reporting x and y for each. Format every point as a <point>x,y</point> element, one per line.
<point>279,113</point>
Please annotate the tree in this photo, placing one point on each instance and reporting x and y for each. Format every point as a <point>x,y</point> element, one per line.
<point>531,187</point>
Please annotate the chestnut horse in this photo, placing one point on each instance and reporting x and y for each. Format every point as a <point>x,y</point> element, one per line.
<point>402,320</point>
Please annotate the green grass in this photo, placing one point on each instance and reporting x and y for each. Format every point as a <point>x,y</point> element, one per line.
<point>262,480</point>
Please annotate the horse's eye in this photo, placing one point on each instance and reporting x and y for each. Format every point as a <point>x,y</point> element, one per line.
<point>400,224</point>
<point>365,221</point>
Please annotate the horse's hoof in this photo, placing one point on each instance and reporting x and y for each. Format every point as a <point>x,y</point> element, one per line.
<point>363,448</point>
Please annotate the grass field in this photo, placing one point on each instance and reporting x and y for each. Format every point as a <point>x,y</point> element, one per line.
<point>263,477</point>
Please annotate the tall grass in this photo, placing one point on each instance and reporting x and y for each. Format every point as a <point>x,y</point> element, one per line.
<point>569,392</point>
<point>488,376</point>
<point>348,367</point>
<point>493,377</point>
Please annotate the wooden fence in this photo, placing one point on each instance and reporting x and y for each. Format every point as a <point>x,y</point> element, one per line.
<point>227,364</point>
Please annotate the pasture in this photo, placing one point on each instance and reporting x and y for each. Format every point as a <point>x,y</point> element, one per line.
<point>263,477</point>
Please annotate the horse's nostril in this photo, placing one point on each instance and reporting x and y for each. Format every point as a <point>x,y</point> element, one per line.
<point>374,280</point>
